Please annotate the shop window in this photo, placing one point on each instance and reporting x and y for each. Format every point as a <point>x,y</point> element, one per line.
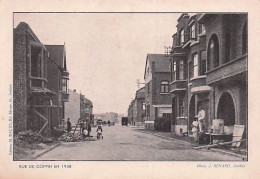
<point>203,62</point>
<point>244,39</point>
<point>192,32</point>
<point>164,87</point>
<point>213,52</point>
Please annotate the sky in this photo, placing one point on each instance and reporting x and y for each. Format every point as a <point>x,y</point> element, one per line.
<point>106,52</point>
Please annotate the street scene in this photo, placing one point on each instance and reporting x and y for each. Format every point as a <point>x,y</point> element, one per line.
<point>125,143</point>
<point>130,86</point>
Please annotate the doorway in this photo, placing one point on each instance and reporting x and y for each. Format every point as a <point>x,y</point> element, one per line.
<point>226,109</point>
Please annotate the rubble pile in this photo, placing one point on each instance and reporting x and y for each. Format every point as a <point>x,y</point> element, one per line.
<point>77,137</point>
<point>32,137</point>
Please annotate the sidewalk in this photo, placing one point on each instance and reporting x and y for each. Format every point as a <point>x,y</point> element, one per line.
<point>190,141</point>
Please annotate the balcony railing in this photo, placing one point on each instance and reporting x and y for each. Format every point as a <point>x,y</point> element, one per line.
<point>178,85</point>
<point>38,82</point>
<point>198,84</point>
<point>227,70</point>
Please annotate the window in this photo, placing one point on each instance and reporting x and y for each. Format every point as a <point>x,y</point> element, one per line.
<point>191,66</point>
<point>65,85</point>
<point>148,110</point>
<point>143,106</point>
<point>203,62</point>
<point>36,61</point>
<point>174,71</point>
<point>202,29</point>
<point>244,39</point>
<point>195,65</point>
<point>164,87</point>
<point>182,37</point>
<point>181,106</point>
<point>192,31</point>
<point>213,52</point>
<point>148,87</point>
<point>181,70</point>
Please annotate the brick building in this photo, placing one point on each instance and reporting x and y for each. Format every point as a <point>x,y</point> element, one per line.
<point>35,100</point>
<point>72,108</point>
<point>139,107</point>
<point>209,69</point>
<point>157,94</point>
<point>58,77</point>
<point>130,112</point>
<point>86,109</point>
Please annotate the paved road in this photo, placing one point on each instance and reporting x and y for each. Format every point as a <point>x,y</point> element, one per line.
<point>123,143</point>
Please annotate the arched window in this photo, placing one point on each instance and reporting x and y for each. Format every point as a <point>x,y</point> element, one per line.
<point>213,52</point>
<point>164,87</point>
<point>244,39</point>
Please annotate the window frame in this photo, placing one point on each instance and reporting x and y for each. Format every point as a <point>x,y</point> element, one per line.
<point>182,36</point>
<point>164,87</point>
<point>193,31</point>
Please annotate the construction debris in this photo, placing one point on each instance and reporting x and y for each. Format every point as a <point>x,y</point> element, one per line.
<point>32,137</point>
<point>77,137</point>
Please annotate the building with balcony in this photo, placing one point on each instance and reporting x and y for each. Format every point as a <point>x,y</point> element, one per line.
<point>157,92</point>
<point>58,77</point>
<point>209,70</point>
<point>34,101</point>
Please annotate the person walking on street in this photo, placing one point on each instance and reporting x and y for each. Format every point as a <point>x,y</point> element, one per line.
<point>68,125</point>
<point>89,129</point>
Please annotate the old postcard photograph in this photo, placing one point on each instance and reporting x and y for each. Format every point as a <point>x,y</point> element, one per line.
<point>141,89</point>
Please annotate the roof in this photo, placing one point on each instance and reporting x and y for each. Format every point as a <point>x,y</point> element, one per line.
<point>161,63</point>
<point>140,93</point>
<point>25,26</point>
<point>57,54</point>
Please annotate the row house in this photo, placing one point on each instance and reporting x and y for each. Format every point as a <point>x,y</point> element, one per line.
<point>72,108</point>
<point>58,77</point>
<point>86,109</point>
<point>130,112</point>
<point>36,94</point>
<point>209,70</point>
<point>157,92</point>
<point>139,107</point>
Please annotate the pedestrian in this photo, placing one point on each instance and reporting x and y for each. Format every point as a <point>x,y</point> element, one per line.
<point>89,129</point>
<point>195,125</point>
<point>201,116</point>
<point>68,125</point>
